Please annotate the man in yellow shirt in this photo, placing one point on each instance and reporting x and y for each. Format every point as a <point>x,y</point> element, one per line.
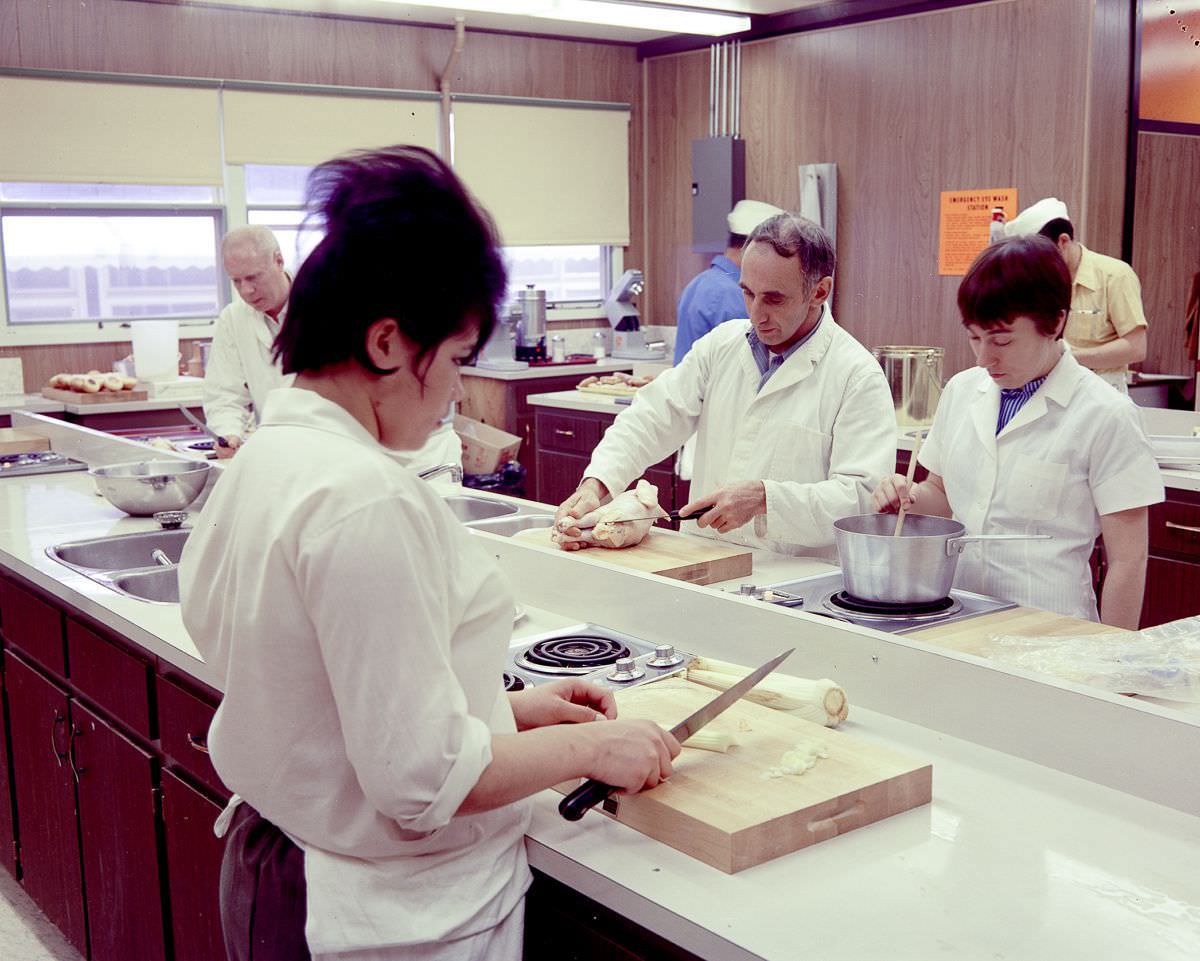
<point>1106,328</point>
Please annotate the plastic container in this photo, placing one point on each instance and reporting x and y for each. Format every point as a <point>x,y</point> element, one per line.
<point>156,349</point>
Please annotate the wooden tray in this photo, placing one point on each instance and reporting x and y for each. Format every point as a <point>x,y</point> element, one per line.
<point>724,811</point>
<point>101,397</point>
<point>683,557</point>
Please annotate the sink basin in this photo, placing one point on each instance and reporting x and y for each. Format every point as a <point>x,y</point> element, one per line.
<point>120,553</point>
<point>507,526</point>
<point>161,584</point>
<point>477,508</point>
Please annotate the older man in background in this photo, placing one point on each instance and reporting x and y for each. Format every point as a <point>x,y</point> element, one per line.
<point>241,369</point>
<point>1106,328</point>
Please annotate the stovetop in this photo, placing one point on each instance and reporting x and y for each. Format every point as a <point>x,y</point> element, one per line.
<point>824,594</point>
<point>592,652</point>
<point>37,462</point>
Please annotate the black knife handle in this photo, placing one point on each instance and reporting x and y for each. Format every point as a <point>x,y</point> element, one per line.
<point>587,795</point>
<point>674,515</point>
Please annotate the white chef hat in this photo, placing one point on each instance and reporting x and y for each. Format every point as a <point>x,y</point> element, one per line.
<point>748,214</point>
<point>1032,219</point>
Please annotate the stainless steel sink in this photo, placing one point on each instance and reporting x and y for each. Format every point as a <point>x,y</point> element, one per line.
<point>507,526</point>
<point>160,584</point>
<point>121,553</point>
<point>468,509</point>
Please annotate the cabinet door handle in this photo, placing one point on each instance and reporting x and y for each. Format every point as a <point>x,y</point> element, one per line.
<point>563,432</point>
<point>76,769</point>
<point>59,718</point>
<point>198,742</point>
<point>1181,527</point>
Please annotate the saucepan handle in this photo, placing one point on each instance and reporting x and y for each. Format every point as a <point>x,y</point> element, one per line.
<point>956,545</point>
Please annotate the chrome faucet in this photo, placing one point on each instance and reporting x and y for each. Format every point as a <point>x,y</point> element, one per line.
<point>159,557</point>
<point>454,470</point>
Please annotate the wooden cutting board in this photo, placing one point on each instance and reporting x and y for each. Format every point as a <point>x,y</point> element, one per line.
<point>100,397</point>
<point>13,441</point>
<point>723,810</point>
<point>684,557</point>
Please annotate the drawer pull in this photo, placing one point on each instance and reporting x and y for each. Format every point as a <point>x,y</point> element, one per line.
<point>1181,527</point>
<point>563,432</point>
<point>199,743</point>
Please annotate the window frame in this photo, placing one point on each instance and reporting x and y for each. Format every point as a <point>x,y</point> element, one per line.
<point>107,330</point>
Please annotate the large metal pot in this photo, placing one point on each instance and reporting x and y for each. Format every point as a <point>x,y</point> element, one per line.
<point>915,376</point>
<point>146,487</point>
<point>915,568</point>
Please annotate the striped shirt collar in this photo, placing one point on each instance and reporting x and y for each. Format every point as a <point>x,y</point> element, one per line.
<point>1013,399</point>
<point>769,362</point>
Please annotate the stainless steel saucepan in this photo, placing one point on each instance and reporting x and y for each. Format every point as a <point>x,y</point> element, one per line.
<point>916,567</point>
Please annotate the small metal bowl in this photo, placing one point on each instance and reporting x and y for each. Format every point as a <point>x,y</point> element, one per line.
<point>147,487</point>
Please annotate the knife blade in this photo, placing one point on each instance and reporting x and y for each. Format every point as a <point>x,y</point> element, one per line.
<point>591,792</point>
<point>196,422</point>
<point>668,516</point>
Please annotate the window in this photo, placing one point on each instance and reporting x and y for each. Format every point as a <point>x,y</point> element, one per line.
<point>275,199</point>
<point>95,252</point>
<point>570,275</point>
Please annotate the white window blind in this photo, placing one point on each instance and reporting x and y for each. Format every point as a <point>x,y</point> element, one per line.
<point>90,132</point>
<point>302,129</point>
<point>548,175</point>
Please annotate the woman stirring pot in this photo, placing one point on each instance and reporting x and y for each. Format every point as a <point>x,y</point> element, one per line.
<point>359,630</point>
<point>1030,442</point>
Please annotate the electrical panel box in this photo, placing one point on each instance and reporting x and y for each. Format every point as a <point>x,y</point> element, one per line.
<point>718,182</point>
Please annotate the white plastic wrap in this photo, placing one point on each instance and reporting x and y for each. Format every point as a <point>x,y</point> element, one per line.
<point>1161,661</point>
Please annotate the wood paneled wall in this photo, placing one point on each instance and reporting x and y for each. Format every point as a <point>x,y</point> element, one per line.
<point>1166,242</point>
<point>995,95</point>
<point>137,37</point>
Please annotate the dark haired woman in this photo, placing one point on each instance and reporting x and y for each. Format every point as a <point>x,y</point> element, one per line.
<point>358,630</point>
<point>1030,442</point>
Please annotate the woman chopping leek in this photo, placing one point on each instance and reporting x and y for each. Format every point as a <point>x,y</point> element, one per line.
<point>357,628</point>
<point>1030,442</point>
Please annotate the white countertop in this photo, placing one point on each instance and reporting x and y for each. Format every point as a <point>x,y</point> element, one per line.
<point>1040,843</point>
<point>134,406</point>
<point>580,400</point>
<point>33,403</point>
<point>606,366</point>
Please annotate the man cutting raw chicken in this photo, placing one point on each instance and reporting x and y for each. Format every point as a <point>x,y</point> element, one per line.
<point>794,418</point>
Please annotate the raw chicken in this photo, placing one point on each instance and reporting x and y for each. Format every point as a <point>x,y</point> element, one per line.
<point>605,531</point>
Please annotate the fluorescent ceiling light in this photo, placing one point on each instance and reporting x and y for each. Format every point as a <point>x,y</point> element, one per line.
<point>656,17</point>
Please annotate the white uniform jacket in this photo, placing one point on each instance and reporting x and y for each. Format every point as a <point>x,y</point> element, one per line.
<point>240,371</point>
<point>820,434</point>
<point>1075,451</point>
<point>359,634</point>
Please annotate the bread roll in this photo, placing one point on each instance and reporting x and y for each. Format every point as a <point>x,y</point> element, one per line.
<point>113,382</point>
<point>91,385</point>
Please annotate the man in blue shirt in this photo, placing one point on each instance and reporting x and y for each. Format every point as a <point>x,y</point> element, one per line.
<point>713,297</point>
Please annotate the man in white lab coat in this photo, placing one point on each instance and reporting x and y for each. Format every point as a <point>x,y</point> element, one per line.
<point>241,371</point>
<point>794,417</point>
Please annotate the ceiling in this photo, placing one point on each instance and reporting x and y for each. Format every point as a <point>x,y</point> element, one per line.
<point>500,19</point>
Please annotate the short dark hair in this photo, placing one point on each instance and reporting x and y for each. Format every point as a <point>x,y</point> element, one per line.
<point>793,236</point>
<point>1055,228</point>
<point>736,241</point>
<point>403,240</point>
<point>1017,277</point>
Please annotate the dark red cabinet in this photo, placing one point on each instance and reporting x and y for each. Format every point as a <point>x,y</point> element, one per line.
<point>116,790</point>
<point>193,870</point>
<point>40,727</point>
<point>8,843</point>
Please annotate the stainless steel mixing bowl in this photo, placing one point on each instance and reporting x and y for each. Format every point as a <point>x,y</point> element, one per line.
<point>145,487</point>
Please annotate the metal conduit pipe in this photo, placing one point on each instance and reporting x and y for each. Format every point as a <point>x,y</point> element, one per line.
<point>460,34</point>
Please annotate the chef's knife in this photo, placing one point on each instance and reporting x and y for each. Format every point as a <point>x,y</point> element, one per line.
<point>217,438</point>
<point>592,792</point>
<point>668,516</point>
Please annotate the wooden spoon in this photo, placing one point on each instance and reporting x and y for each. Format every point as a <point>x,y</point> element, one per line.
<point>912,469</point>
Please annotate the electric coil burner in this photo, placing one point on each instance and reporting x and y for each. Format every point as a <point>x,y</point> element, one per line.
<point>571,655</point>
<point>825,594</point>
<point>601,656</point>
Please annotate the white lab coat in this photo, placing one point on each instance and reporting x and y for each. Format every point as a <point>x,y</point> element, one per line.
<point>359,634</point>
<point>240,371</point>
<point>1074,452</point>
<point>820,434</point>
